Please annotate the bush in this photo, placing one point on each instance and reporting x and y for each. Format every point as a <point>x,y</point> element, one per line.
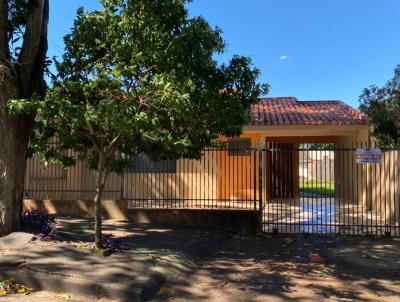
<point>42,225</point>
<point>111,243</point>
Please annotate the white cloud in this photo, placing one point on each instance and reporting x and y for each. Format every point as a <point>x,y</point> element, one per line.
<point>284,57</point>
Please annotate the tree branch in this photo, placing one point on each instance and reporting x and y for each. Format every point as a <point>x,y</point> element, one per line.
<point>111,147</point>
<point>3,29</point>
<point>38,84</point>
<point>31,43</point>
<point>92,139</point>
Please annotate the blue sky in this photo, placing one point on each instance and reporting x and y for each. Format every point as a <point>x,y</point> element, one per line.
<point>310,49</point>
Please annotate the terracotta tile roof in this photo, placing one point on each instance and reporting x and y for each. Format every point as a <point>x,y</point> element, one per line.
<point>290,111</point>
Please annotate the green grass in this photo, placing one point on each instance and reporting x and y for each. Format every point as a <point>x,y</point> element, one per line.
<point>320,188</point>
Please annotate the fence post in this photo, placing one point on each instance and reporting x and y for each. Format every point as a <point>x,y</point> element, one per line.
<point>122,185</point>
<point>260,179</point>
<point>255,178</point>
<point>260,190</point>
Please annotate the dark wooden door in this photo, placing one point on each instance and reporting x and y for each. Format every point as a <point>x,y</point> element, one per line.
<point>280,170</point>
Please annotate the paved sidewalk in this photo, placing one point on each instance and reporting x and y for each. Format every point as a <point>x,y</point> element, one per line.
<point>297,268</point>
<point>45,296</point>
<point>149,257</point>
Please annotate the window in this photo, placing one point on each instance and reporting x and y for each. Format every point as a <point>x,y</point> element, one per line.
<point>239,146</point>
<point>143,164</point>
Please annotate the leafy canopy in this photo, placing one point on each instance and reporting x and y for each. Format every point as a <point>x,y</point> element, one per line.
<point>140,76</point>
<point>382,105</point>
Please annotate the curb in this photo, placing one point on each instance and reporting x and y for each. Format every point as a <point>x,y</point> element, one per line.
<point>74,286</point>
<point>126,290</point>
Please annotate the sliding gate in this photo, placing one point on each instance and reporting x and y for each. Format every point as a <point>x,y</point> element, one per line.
<point>331,190</point>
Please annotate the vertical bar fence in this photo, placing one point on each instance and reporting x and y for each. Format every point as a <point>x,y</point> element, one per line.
<point>221,178</point>
<point>309,189</point>
<point>334,194</point>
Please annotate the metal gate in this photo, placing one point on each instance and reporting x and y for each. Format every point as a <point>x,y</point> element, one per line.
<point>323,189</point>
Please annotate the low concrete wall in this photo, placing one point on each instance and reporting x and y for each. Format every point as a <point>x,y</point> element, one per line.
<point>112,209</point>
<point>238,221</point>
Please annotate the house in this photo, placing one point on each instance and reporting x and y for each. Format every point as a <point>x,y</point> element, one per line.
<point>286,123</point>
<point>230,174</point>
<point>265,166</point>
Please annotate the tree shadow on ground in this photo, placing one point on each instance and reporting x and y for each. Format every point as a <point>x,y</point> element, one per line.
<point>278,269</point>
<point>195,243</point>
<point>149,256</point>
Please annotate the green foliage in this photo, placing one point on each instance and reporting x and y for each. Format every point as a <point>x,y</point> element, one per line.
<point>320,188</point>
<point>22,106</point>
<point>382,105</point>
<point>140,76</point>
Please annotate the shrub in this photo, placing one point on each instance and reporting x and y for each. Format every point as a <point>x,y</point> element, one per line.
<point>42,225</point>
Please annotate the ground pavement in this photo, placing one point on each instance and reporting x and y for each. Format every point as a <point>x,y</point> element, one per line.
<point>200,265</point>
<point>148,257</point>
<point>299,268</point>
<point>45,296</point>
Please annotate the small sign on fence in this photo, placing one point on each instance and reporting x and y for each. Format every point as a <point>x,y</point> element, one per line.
<point>368,155</point>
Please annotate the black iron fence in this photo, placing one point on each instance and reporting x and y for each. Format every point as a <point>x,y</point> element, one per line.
<point>222,178</point>
<point>312,189</point>
<point>351,190</point>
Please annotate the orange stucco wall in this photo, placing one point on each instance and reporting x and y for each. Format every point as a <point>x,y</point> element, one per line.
<point>237,180</point>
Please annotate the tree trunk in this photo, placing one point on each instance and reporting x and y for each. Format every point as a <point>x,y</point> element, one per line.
<point>19,80</point>
<point>14,136</point>
<point>102,175</point>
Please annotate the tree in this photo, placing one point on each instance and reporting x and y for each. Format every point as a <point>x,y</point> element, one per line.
<point>23,47</point>
<point>382,105</point>
<point>139,76</point>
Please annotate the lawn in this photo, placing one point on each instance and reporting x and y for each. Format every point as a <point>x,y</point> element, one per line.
<point>320,188</point>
